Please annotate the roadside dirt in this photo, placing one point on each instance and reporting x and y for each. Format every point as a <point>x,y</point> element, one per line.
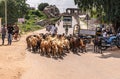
<point>12,59</point>
<point>18,63</point>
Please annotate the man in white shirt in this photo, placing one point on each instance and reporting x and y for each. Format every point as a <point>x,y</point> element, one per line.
<point>53,30</point>
<point>104,33</point>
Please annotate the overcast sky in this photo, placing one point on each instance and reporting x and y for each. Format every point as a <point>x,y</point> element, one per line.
<point>61,4</point>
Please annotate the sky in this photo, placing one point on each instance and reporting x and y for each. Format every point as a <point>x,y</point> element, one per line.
<point>61,4</point>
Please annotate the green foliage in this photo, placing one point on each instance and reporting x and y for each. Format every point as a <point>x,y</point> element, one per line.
<point>41,6</point>
<point>31,19</point>
<point>29,27</point>
<point>32,14</point>
<point>15,9</point>
<point>19,9</point>
<point>2,10</point>
<point>38,13</point>
<point>44,16</point>
<point>108,10</point>
<point>54,19</point>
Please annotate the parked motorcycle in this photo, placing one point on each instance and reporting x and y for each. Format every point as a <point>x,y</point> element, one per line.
<point>110,42</point>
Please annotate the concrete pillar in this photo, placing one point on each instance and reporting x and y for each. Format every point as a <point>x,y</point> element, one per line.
<point>67,11</point>
<point>76,11</point>
<point>72,11</point>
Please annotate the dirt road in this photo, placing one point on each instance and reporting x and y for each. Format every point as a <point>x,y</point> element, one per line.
<point>12,59</point>
<point>83,66</point>
<point>18,63</point>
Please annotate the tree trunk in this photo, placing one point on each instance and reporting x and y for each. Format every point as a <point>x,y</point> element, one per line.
<point>116,26</point>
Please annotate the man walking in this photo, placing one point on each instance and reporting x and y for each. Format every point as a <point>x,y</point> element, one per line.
<point>53,29</point>
<point>3,31</point>
<point>10,32</point>
<point>56,29</point>
<point>66,30</point>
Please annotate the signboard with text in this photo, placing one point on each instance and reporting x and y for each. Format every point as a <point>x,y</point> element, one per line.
<point>67,21</point>
<point>87,32</point>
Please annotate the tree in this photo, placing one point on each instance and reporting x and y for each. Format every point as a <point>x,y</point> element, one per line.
<point>108,10</point>
<point>15,9</point>
<point>2,9</point>
<point>42,6</point>
<point>23,7</point>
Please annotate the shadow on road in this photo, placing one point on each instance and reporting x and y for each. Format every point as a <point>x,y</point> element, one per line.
<point>76,53</point>
<point>114,53</point>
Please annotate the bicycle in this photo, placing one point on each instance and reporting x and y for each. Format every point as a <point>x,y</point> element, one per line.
<point>16,36</point>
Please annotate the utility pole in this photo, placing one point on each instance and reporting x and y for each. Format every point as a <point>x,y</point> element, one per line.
<point>87,18</point>
<point>5,12</point>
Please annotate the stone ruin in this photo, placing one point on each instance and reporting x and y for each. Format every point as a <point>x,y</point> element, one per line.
<point>51,11</point>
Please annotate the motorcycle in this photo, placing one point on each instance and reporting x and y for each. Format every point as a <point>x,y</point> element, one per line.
<point>111,41</point>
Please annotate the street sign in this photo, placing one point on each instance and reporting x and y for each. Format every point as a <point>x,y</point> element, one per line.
<point>87,32</point>
<point>67,21</point>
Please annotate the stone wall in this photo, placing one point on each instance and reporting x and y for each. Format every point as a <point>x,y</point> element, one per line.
<point>51,11</point>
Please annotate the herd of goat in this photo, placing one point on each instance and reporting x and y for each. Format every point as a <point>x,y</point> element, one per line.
<point>55,45</point>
